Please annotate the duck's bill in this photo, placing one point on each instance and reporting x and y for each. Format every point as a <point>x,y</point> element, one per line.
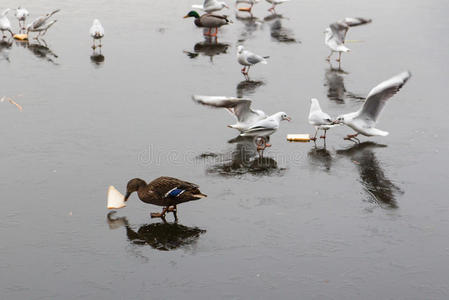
<point>186,16</point>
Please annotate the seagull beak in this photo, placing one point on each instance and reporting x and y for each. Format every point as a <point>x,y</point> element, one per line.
<point>288,119</point>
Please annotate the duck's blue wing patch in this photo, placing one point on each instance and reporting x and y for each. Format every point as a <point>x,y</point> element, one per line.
<point>175,192</point>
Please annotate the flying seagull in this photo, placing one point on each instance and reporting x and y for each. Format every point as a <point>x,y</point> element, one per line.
<point>240,108</point>
<point>335,35</point>
<point>364,120</point>
<point>41,24</point>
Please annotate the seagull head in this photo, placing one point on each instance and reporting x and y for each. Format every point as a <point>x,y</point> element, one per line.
<point>339,120</point>
<point>224,5</point>
<point>240,49</point>
<point>284,116</point>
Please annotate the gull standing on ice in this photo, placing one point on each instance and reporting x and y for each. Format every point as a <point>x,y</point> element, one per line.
<point>210,6</point>
<point>5,25</point>
<point>96,32</point>
<point>247,9</point>
<point>364,120</point>
<point>248,59</point>
<point>274,3</point>
<point>21,15</point>
<point>319,119</point>
<point>335,35</point>
<point>41,25</point>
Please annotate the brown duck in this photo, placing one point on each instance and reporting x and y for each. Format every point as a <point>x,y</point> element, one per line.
<point>164,191</point>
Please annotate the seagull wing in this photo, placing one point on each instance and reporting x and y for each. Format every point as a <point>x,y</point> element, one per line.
<point>209,3</point>
<point>239,107</point>
<point>253,58</point>
<point>339,30</point>
<point>378,96</point>
<point>355,21</point>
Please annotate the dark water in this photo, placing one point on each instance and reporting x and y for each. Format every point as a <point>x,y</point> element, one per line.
<point>343,222</point>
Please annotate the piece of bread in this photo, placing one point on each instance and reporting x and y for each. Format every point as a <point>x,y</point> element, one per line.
<point>115,199</point>
<point>298,137</point>
<point>21,37</point>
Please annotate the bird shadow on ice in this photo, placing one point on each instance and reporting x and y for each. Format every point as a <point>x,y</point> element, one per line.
<point>209,47</point>
<point>241,160</point>
<point>248,87</point>
<point>335,83</point>
<point>378,187</point>
<point>161,236</point>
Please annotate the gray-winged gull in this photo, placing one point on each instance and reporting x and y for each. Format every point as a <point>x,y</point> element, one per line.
<point>248,59</point>
<point>319,119</point>
<point>364,120</point>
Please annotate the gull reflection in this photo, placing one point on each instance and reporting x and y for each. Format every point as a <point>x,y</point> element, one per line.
<point>41,50</point>
<point>277,31</point>
<point>320,157</point>
<point>378,187</point>
<point>5,46</point>
<point>209,47</point>
<point>248,87</point>
<point>251,25</point>
<point>336,89</point>
<point>97,58</point>
<point>161,236</point>
<point>242,159</point>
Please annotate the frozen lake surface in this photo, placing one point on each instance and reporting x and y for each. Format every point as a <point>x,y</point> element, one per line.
<point>369,221</point>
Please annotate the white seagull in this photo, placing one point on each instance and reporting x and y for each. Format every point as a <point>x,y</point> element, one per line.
<point>21,15</point>
<point>319,119</point>
<point>250,122</point>
<point>335,35</point>
<point>96,32</point>
<point>5,25</point>
<point>248,59</point>
<point>364,120</point>
<point>41,25</point>
<point>262,129</point>
<point>240,108</point>
<point>274,3</point>
<point>210,6</point>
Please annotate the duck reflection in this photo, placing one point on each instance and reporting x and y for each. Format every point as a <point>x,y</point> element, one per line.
<point>248,87</point>
<point>320,157</point>
<point>161,236</point>
<point>378,187</point>
<point>243,159</point>
<point>5,46</point>
<point>277,31</point>
<point>335,83</point>
<point>209,47</point>
<point>41,50</point>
